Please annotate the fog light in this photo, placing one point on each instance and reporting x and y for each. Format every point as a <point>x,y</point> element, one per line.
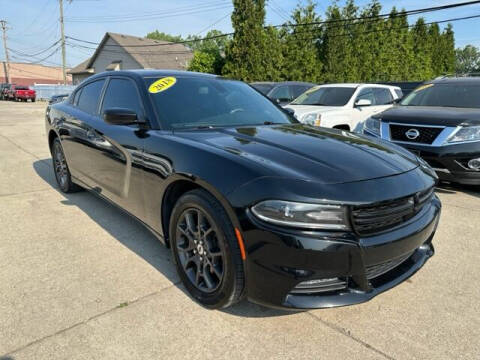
<point>474,164</point>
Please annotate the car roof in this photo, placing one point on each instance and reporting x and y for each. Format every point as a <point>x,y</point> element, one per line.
<point>456,80</point>
<point>355,85</point>
<point>279,83</point>
<point>142,73</point>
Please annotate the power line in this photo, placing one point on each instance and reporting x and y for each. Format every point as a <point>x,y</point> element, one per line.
<point>149,13</point>
<point>190,11</point>
<point>38,53</point>
<point>399,14</point>
<point>404,27</point>
<point>215,23</point>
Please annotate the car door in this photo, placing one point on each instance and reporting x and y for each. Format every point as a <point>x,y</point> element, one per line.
<point>383,99</point>
<point>361,113</point>
<point>111,155</point>
<point>281,95</point>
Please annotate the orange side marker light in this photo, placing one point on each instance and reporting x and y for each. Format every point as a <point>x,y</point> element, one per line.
<point>240,243</point>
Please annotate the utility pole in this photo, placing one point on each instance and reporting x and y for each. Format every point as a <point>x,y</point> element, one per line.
<point>64,54</point>
<point>3,24</point>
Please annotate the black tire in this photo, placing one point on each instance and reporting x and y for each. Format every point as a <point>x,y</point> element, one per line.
<point>60,168</point>
<point>221,252</point>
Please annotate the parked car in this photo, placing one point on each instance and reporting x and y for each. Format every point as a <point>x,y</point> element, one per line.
<point>282,92</point>
<point>251,202</point>
<point>406,87</point>
<point>343,106</point>
<point>58,98</point>
<point>21,93</point>
<point>439,121</point>
<point>4,87</point>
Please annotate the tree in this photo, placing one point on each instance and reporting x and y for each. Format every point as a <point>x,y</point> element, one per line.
<point>245,53</point>
<point>437,50</point>
<point>208,54</point>
<point>448,43</point>
<point>203,62</point>
<point>467,59</point>
<point>302,62</point>
<point>333,46</point>
<point>156,35</point>
<point>422,63</point>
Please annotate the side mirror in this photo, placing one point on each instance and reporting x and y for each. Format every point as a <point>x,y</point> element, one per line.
<point>363,102</point>
<point>120,116</point>
<point>282,100</point>
<point>290,111</point>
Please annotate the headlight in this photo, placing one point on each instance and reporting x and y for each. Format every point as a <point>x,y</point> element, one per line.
<point>469,133</point>
<point>311,119</point>
<point>372,125</point>
<point>312,216</point>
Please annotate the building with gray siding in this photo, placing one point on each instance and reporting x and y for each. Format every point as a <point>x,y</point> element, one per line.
<point>124,52</point>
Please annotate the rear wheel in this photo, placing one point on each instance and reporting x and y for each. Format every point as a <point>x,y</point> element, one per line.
<point>60,167</point>
<point>206,251</point>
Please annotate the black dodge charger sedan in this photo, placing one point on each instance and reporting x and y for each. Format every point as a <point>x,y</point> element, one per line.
<point>252,203</point>
<point>439,121</point>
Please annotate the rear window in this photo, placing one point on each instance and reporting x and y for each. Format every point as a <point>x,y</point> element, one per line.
<point>21,88</point>
<point>446,95</point>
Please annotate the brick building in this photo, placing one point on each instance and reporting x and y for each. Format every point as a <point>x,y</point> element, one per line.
<point>30,74</point>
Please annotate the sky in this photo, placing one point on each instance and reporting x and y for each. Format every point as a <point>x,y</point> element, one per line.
<point>33,25</point>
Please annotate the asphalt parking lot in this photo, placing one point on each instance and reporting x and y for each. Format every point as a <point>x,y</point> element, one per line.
<point>79,279</point>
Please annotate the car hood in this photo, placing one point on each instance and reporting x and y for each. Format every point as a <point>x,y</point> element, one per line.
<point>431,115</point>
<point>301,110</point>
<point>299,151</point>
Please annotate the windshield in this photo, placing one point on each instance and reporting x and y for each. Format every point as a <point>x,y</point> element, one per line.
<point>447,95</point>
<point>192,102</point>
<point>325,96</point>
<point>263,88</point>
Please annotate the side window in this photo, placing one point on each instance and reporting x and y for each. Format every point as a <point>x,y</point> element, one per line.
<point>90,94</point>
<point>298,90</point>
<point>366,93</point>
<point>383,96</point>
<point>76,97</point>
<point>399,93</point>
<point>281,93</point>
<point>122,93</point>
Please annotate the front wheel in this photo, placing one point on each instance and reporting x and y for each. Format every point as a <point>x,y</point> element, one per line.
<point>60,167</point>
<point>205,250</point>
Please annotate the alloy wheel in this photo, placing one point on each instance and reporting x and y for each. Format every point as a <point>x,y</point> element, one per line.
<point>61,169</point>
<point>200,252</point>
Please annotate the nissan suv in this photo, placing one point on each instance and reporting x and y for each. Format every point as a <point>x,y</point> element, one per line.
<point>440,122</point>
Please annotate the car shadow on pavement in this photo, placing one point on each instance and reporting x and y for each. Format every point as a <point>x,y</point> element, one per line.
<point>452,188</point>
<point>136,237</point>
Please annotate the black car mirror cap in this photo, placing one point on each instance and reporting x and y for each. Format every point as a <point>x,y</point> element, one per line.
<point>120,116</point>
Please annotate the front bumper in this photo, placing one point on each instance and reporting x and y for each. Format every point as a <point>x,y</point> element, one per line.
<point>449,161</point>
<point>279,259</point>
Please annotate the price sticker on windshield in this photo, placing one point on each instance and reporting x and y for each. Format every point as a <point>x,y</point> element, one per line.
<point>162,84</point>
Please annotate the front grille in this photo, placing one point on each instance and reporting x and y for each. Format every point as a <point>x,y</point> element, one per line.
<point>371,219</point>
<point>427,135</point>
<point>376,270</point>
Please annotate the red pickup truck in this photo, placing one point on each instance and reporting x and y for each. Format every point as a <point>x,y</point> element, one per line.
<point>22,93</point>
